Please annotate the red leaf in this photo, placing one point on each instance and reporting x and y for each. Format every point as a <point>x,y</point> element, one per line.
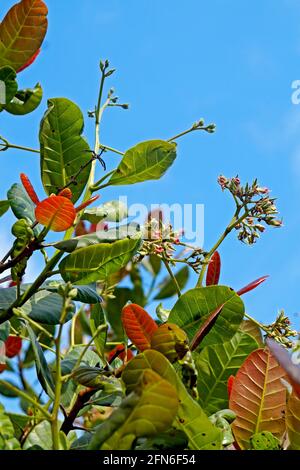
<point>29,188</point>
<point>205,328</point>
<point>56,212</point>
<point>138,325</point>
<point>213,270</point>
<point>13,346</point>
<point>119,351</point>
<point>230,382</point>
<point>30,61</point>
<point>2,353</point>
<point>292,368</point>
<point>252,285</point>
<point>86,203</point>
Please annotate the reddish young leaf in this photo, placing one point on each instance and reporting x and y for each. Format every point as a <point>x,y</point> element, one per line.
<point>3,365</point>
<point>13,346</point>
<point>66,193</point>
<point>87,203</point>
<point>138,325</point>
<point>258,398</point>
<point>205,328</point>
<point>292,367</point>
<point>30,61</point>
<point>56,212</point>
<point>252,285</point>
<point>213,270</point>
<point>29,188</point>
<point>22,32</point>
<point>119,351</point>
<point>230,384</point>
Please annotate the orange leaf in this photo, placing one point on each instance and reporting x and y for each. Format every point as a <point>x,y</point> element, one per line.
<point>29,188</point>
<point>213,270</point>
<point>258,398</point>
<point>22,32</point>
<point>66,193</point>
<point>83,205</point>
<point>139,326</point>
<point>230,385</point>
<point>30,61</point>
<point>13,346</point>
<point>56,212</point>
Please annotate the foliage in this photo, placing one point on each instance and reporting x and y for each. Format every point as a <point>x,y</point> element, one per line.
<point>134,373</point>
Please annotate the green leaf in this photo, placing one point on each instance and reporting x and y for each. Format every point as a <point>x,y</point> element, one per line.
<point>39,436</point>
<point>25,101</point>
<point>215,364</point>
<point>146,161</point>
<point>97,262</point>
<point>4,330</point>
<point>150,409</point>
<point>43,307</point>
<point>8,78</point>
<point>4,206</point>
<point>194,307</point>
<point>93,377</point>
<point>19,423</point>
<point>168,289</point>
<point>112,211</point>
<point>114,306</point>
<point>21,205</point>
<point>191,419</point>
<point>42,369</point>
<point>5,391</point>
<point>101,236</point>
<point>7,433</point>
<point>249,327</point>
<point>97,319</point>
<point>90,359</point>
<point>172,439</point>
<point>63,150</point>
<point>86,294</point>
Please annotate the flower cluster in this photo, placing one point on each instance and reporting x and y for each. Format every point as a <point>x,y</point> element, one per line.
<point>255,208</point>
<point>281,330</point>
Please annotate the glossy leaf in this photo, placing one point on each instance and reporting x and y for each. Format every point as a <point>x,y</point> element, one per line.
<point>8,77</point>
<point>43,307</point>
<point>168,289</point>
<point>194,307</point>
<point>97,262</point>
<point>7,433</point>
<point>20,203</point>
<point>25,101</point>
<point>213,270</point>
<point>146,161</point>
<point>293,421</point>
<point>252,285</point>
<point>112,211</point>
<point>97,319</point>
<point>249,327</point>
<point>215,364</point>
<point>56,213</point>
<point>138,325</point>
<point>150,409</point>
<point>101,236</point>
<point>63,150</point>
<point>191,419</point>
<point>42,368</point>
<point>4,206</point>
<point>258,398</point>
<point>22,32</point>
<point>40,436</point>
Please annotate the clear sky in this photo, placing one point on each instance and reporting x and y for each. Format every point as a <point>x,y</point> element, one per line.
<point>229,61</point>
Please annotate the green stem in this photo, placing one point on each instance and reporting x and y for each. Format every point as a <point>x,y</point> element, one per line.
<point>26,397</point>
<point>98,185</point>
<point>165,261</point>
<point>187,131</point>
<point>111,149</point>
<point>7,146</point>
<point>257,323</point>
<point>234,222</point>
<point>57,392</point>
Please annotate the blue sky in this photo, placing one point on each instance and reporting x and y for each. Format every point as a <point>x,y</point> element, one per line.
<point>230,62</point>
